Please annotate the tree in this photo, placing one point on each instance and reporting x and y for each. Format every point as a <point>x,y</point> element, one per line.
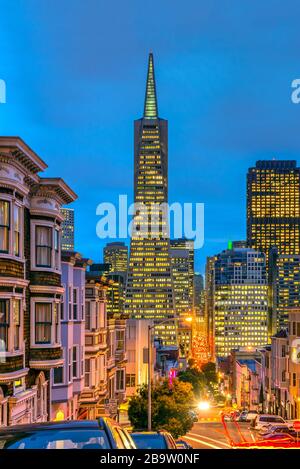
<point>210,373</point>
<point>196,378</point>
<point>171,407</point>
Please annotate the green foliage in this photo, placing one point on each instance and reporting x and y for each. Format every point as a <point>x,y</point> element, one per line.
<point>209,370</point>
<point>171,407</point>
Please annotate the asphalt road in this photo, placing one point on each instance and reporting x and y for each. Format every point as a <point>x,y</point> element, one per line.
<point>211,435</point>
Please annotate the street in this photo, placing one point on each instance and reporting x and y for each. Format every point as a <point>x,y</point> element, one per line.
<point>211,435</point>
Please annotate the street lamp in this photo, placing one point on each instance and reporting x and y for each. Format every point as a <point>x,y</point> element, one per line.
<point>150,364</point>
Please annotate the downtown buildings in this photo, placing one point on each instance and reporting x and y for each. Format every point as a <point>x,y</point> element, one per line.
<point>240,300</point>
<point>68,229</point>
<point>149,291</point>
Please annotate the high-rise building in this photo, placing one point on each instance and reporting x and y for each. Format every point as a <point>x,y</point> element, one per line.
<point>116,254</point>
<point>286,288</point>
<point>209,303</point>
<point>67,240</point>
<point>273,213</point>
<point>240,300</point>
<point>198,294</point>
<point>149,292</point>
<point>187,245</point>
<point>181,281</point>
<point>115,294</point>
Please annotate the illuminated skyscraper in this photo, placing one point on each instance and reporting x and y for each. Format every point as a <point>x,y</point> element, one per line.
<point>273,214</point>
<point>67,239</point>
<point>187,245</point>
<point>116,254</point>
<point>240,300</point>
<point>149,292</point>
<point>285,288</point>
<point>181,281</point>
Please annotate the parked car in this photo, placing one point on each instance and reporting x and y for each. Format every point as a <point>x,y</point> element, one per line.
<point>251,415</point>
<point>74,434</point>
<point>153,440</point>
<point>271,428</point>
<point>182,444</point>
<point>275,430</point>
<point>243,416</point>
<point>264,420</point>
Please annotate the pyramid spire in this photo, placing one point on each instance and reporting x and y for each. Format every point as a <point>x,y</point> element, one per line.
<point>150,109</point>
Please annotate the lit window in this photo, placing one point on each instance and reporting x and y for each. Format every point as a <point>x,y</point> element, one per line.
<point>43,246</point>
<point>4,324</point>
<point>43,323</point>
<point>4,226</point>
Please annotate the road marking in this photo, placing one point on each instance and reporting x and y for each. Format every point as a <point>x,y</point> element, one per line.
<point>202,442</point>
<point>211,439</point>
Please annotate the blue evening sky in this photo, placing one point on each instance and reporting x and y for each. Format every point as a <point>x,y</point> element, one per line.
<point>75,73</point>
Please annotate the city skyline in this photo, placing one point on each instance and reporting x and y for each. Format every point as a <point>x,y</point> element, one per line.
<point>202,84</point>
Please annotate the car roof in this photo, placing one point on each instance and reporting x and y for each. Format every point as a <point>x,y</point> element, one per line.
<point>63,425</point>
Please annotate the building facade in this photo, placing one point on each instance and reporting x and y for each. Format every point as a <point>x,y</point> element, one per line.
<point>240,300</point>
<point>68,229</point>
<point>149,292</point>
<point>68,379</point>
<point>273,214</point>
<point>116,254</point>
<point>30,278</point>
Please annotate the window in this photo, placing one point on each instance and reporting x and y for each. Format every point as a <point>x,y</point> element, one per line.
<point>82,361</point>
<point>283,351</point>
<point>43,323</point>
<point>43,243</point>
<point>70,302</point>
<point>17,229</point>
<point>70,365</point>
<point>56,322</point>
<point>4,324</point>
<point>75,362</point>
<point>130,380</point>
<point>120,385</point>
<point>88,316</point>
<point>56,248</point>
<point>294,379</point>
<point>87,373</point>
<point>16,323</point>
<point>298,329</point>
<point>58,375</point>
<point>120,336</point>
<point>4,226</point>
<point>75,306</point>
<point>283,376</point>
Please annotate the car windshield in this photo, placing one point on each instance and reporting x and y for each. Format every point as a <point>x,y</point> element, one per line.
<point>144,441</point>
<point>271,419</point>
<point>56,439</point>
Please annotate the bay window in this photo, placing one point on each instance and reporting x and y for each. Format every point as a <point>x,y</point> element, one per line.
<point>16,323</point>
<point>4,324</point>
<point>4,225</point>
<point>43,323</point>
<point>87,316</point>
<point>56,248</point>
<point>120,381</point>
<point>43,241</point>
<point>56,322</point>
<point>17,230</point>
